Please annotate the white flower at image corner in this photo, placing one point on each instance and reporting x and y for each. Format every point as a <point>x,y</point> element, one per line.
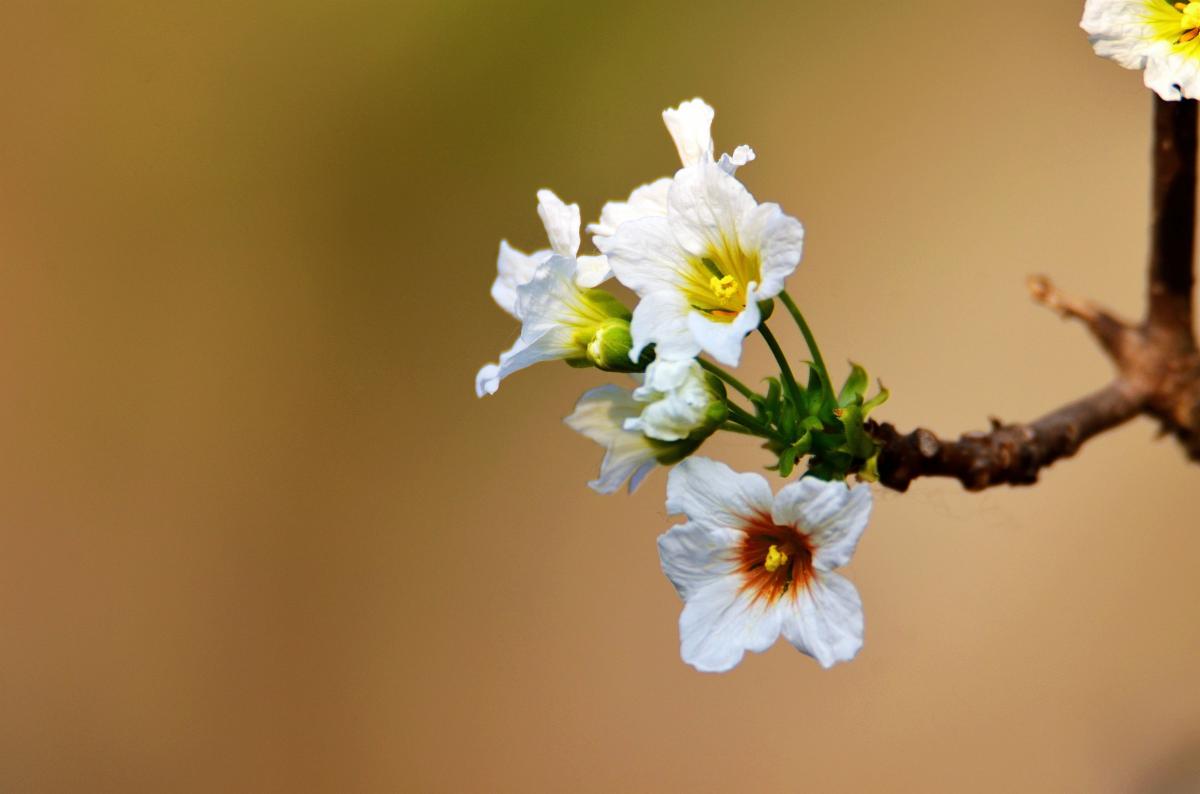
<point>701,269</point>
<point>1162,38</point>
<point>690,126</point>
<point>514,268</point>
<point>751,566</point>
<point>662,421</point>
<point>559,321</point>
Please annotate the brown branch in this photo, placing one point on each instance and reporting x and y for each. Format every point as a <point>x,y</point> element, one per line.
<point>1157,363</point>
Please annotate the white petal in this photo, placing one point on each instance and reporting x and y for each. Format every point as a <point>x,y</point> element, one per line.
<point>832,515</point>
<point>714,495</point>
<point>731,163</point>
<point>661,318</point>
<point>551,298</point>
<point>514,268</point>
<point>723,341</point>
<point>600,415</point>
<point>706,209</point>
<point>561,222</point>
<point>779,240</point>
<point>487,380</point>
<point>824,620</point>
<point>592,271</point>
<point>695,555</point>
<point>719,623</point>
<point>646,201</point>
<point>645,257</point>
<point>690,126</point>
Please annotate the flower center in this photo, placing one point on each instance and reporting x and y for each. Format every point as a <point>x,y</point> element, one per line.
<point>773,560</point>
<point>1189,20</point>
<point>724,288</point>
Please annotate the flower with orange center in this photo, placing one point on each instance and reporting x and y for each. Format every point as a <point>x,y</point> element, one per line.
<point>751,565</point>
<point>1161,37</point>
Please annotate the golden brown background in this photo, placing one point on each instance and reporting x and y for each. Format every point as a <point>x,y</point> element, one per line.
<point>259,535</point>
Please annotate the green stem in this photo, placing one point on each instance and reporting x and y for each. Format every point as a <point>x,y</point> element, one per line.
<point>734,427</point>
<point>746,419</point>
<point>818,359</point>
<point>785,369</point>
<point>742,388</point>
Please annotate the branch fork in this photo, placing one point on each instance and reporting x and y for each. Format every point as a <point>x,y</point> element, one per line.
<point>1156,360</point>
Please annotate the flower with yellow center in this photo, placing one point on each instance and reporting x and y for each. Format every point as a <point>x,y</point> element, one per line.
<point>751,566</point>
<point>701,269</point>
<point>1161,37</point>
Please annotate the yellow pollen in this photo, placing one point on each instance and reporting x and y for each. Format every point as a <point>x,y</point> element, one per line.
<point>1189,19</point>
<point>775,558</point>
<point>724,288</point>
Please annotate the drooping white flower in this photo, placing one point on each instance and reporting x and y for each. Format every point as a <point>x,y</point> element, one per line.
<point>560,320</point>
<point>514,268</point>
<point>702,268</point>
<point>750,565</point>
<point>690,126</point>
<point>1160,37</point>
<point>661,422</point>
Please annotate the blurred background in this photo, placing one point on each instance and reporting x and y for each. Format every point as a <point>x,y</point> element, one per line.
<point>257,533</point>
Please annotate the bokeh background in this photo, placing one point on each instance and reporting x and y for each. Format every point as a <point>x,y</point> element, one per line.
<point>257,534</point>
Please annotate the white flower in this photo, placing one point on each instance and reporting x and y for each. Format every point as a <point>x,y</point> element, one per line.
<point>559,321</point>
<point>690,126</point>
<point>751,566</point>
<point>601,415</point>
<point>514,268</point>
<point>702,268</point>
<point>678,398</point>
<point>663,421</point>
<point>1161,37</point>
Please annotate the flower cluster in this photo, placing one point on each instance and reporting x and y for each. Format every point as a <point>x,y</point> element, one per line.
<point>706,263</point>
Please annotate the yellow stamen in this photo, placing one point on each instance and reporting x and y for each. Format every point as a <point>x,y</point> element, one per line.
<point>724,288</point>
<point>1189,19</point>
<point>775,559</point>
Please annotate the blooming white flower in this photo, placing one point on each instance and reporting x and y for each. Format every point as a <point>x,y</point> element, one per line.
<point>751,566</point>
<point>701,270</point>
<point>690,126</point>
<point>663,421</point>
<point>1160,37</point>
<point>514,268</point>
<point>561,321</point>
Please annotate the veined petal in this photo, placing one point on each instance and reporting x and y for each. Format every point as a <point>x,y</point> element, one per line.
<point>600,415</point>
<point>832,515</point>
<point>561,222</point>
<point>550,345</point>
<point>676,399</point>
<point>646,201</point>
<point>514,268</point>
<point>695,555</point>
<point>690,126</point>
<point>706,207</point>
<point>1161,37</point>
<point>487,380</point>
<point>713,495</point>
<point>779,241</point>
<point>661,319</point>
<point>719,624</point>
<point>824,620</point>
<point>723,340</point>
<point>645,256</point>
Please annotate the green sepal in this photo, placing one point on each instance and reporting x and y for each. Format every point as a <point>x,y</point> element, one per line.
<point>854,388</point>
<point>766,309</point>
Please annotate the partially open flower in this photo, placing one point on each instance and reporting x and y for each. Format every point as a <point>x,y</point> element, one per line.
<point>750,565</point>
<point>659,424</point>
<point>1160,37</point>
<point>690,126</point>
<point>560,320</point>
<point>701,270</point>
<point>514,268</point>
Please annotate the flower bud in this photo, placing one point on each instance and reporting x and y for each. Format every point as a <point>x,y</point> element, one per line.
<point>610,345</point>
